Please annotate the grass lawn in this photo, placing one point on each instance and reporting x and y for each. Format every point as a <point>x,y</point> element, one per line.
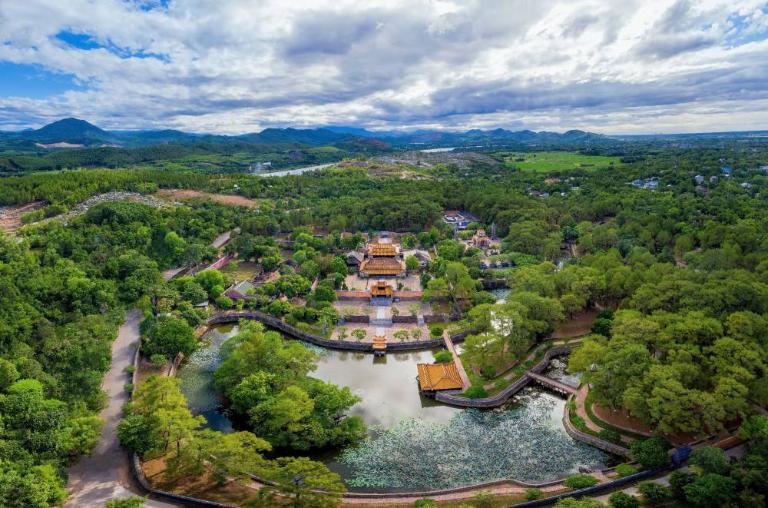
<point>545,162</point>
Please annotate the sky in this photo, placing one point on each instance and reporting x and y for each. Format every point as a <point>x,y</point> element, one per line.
<point>235,66</point>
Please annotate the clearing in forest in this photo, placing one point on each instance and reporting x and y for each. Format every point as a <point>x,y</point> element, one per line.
<point>226,199</point>
<point>545,162</point>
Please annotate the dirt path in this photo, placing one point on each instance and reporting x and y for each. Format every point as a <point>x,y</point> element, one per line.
<point>105,473</point>
<point>10,218</point>
<point>581,411</point>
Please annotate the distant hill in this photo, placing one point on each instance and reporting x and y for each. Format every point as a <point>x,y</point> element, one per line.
<point>482,138</point>
<point>69,130</point>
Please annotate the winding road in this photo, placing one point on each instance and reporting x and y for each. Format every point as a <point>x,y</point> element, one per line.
<point>105,474</point>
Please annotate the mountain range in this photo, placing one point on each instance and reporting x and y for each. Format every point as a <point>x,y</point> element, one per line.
<point>72,131</point>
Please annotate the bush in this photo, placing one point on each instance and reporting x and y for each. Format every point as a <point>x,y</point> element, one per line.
<point>623,500</point>
<point>425,502</point>
<point>580,481</point>
<point>436,331</point>
<point>224,302</point>
<point>651,453</point>
<point>483,500</point>
<point>625,470</point>
<point>533,494</point>
<point>654,494</point>
<point>476,392</point>
<point>443,356</point>
<point>157,360</point>
<point>126,502</point>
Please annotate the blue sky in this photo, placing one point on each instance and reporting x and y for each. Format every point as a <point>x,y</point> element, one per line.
<point>233,66</point>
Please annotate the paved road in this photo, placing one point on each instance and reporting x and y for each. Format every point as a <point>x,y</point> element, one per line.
<point>105,474</point>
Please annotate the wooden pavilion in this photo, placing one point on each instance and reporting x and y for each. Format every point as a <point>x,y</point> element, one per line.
<point>434,377</point>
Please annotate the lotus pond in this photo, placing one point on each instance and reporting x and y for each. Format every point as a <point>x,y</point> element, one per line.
<point>415,443</point>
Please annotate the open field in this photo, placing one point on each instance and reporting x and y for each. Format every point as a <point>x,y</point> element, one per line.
<point>544,162</point>
<point>226,199</point>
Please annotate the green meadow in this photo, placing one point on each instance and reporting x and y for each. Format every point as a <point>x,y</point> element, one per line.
<point>545,162</point>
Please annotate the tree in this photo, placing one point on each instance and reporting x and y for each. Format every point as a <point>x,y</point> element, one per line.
<point>651,453</point>
<point>302,479</point>
<point>359,334</point>
<point>168,336</point>
<point>443,356</point>
<point>164,414</point>
<point>412,263</point>
<point>710,490</point>
<point>342,333</point>
<point>33,487</point>
<point>653,493</point>
<point>416,334</point>
<point>710,460</point>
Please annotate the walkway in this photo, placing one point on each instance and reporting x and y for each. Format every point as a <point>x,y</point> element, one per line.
<point>105,473</point>
<point>456,359</point>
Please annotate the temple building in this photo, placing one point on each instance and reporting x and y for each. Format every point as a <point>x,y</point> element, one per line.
<point>382,260</point>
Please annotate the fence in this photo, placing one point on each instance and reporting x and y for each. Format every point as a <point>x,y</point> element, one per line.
<point>294,332</point>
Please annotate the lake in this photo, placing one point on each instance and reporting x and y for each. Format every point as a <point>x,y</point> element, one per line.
<point>415,443</point>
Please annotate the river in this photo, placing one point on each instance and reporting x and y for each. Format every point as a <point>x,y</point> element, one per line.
<point>415,443</point>
<point>297,171</point>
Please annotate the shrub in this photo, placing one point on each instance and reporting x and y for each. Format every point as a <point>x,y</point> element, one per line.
<point>126,502</point>
<point>580,481</point>
<point>488,372</point>
<point>533,494</point>
<point>476,392</point>
<point>443,356</point>
<point>436,331</point>
<point>610,435</point>
<point>653,493</point>
<point>625,470</point>
<point>483,500</point>
<point>623,500</point>
<point>224,302</point>
<point>425,502</point>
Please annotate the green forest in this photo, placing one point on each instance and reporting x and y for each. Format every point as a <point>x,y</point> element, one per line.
<point>679,275</point>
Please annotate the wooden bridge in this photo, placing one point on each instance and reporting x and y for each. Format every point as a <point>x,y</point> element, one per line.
<point>455,398</point>
<point>552,384</point>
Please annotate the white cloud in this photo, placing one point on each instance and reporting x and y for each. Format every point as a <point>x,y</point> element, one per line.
<point>237,65</point>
